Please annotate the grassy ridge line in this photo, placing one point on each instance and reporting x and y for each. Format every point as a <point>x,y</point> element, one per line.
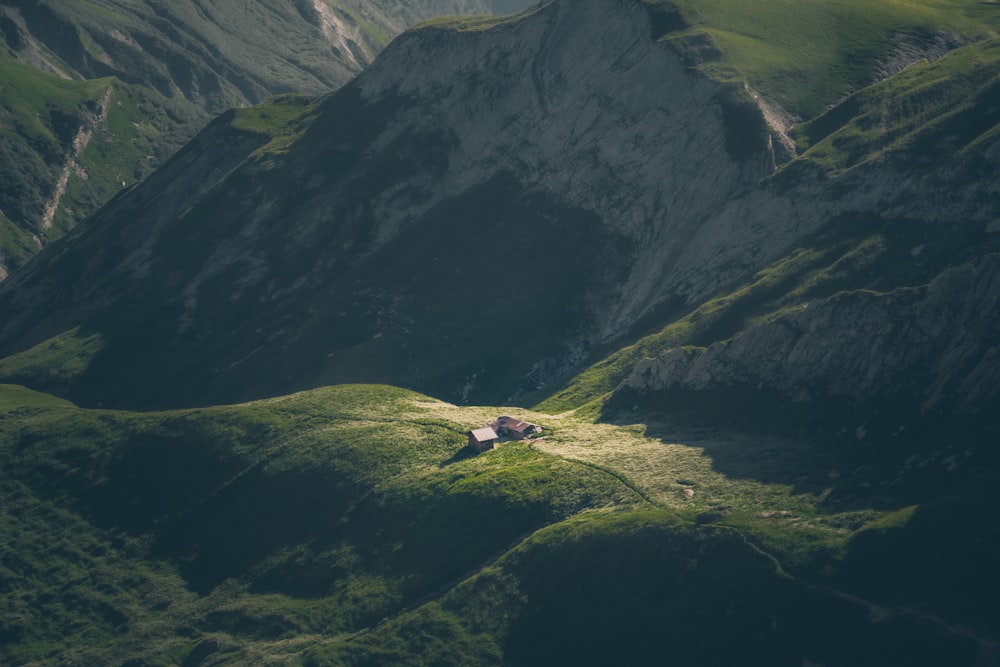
<point>283,118</point>
<point>931,109</point>
<point>522,506</point>
<point>804,56</point>
<point>68,459</point>
<point>14,396</point>
<point>801,56</point>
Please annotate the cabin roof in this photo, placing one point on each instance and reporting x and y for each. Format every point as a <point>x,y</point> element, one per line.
<point>483,434</point>
<point>512,424</point>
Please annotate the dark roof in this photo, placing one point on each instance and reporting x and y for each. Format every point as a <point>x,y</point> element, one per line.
<point>512,424</point>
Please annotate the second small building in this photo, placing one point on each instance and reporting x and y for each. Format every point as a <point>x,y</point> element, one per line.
<point>481,439</point>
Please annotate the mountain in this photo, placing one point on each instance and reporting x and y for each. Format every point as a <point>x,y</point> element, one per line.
<point>495,201</point>
<point>742,260</point>
<point>97,94</point>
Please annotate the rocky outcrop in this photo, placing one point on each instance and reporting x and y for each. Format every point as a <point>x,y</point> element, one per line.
<point>937,345</point>
<point>577,101</point>
<point>567,134</point>
<point>561,171</point>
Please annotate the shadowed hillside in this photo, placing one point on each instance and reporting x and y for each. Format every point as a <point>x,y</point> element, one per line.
<point>346,526</point>
<point>743,260</point>
<point>488,210</point>
<point>99,93</point>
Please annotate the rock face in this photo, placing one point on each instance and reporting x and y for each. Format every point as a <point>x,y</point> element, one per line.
<point>936,344</point>
<point>170,67</point>
<point>484,206</point>
<point>533,162</point>
<point>564,102</point>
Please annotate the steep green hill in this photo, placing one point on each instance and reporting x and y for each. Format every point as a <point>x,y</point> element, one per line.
<point>68,145</point>
<point>763,351</point>
<point>805,56</point>
<point>166,68</point>
<point>350,526</point>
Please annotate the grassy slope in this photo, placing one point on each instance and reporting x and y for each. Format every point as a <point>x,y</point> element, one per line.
<point>801,56</point>
<point>173,66</point>
<point>54,364</point>
<point>931,110</point>
<point>804,56</point>
<point>18,245</point>
<point>40,115</point>
<point>321,512</point>
<point>347,526</point>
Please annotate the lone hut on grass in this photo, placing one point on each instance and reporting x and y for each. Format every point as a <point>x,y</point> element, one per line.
<point>481,439</point>
<point>512,427</point>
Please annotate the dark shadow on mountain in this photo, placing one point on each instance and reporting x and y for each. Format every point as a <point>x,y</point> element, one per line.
<point>253,517</point>
<point>648,592</point>
<point>937,558</point>
<point>879,453</point>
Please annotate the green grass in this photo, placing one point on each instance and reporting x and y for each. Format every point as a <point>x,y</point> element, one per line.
<point>283,118</point>
<point>15,396</point>
<point>30,98</point>
<point>469,23</point>
<point>39,116</point>
<point>319,512</point>
<point>925,111</point>
<point>55,363</point>
<point>805,56</point>
<point>17,246</point>
<point>345,525</point>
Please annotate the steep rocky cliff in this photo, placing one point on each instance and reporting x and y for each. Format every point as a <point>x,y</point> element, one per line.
<point>492,202</point>
<point>933,345</point>
<point>545,175</point>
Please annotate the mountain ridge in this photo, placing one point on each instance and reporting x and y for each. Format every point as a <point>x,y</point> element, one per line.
<point>385,208</point>
<point>173,67</point>
<point>564,143</point>
<point>766,381</point>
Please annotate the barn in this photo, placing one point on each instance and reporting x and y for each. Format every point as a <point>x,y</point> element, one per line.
<point>481,439</point>
<point>511,427</point>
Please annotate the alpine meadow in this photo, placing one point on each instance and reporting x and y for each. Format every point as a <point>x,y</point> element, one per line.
<point>457,332</point>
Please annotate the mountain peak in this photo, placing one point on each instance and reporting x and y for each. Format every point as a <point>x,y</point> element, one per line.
<point>572,159</point>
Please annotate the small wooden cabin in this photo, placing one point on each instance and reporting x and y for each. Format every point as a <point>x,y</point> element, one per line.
<point>481,439</point>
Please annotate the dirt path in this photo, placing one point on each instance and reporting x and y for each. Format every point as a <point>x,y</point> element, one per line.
<point>80,143</point>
